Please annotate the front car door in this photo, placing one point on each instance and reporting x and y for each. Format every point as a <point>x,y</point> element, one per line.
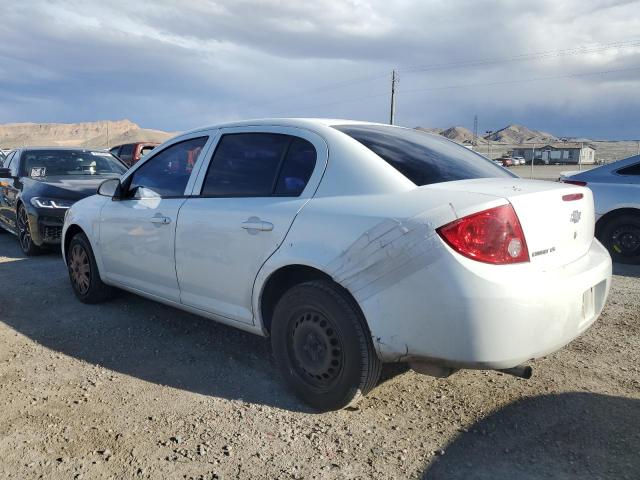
<point>9,191</point>
<point>137,232</point>
<point>244,202</point>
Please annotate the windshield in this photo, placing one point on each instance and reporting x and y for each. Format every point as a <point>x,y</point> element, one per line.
<point>421,157</point>
<point>44,163</point>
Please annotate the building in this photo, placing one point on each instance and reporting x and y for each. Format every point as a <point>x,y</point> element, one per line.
<point>559,152</point>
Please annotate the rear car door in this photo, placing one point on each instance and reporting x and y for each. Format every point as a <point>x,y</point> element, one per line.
<point>137,232</point>
<point>243,204</point>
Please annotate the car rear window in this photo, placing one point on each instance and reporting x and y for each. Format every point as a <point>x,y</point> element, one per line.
<point>421,157</point>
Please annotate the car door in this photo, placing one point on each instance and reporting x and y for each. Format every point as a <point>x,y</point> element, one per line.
<point>9,191</point>
<point>243,204</point>
<point>137,232</point>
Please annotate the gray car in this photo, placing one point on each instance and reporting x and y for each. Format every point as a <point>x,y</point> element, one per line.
<point>616,193</point>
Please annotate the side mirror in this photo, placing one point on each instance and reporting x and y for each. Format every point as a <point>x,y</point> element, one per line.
<point>110,188</point>
<point>5,173</point>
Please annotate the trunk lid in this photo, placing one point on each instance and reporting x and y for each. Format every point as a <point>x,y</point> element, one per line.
<point>557,219</point>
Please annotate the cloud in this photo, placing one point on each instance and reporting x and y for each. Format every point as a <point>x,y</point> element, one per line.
<point>177,65</point>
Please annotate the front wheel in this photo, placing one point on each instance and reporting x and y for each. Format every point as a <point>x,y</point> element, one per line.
<point>24,233</point>
<point>83,272</point>
<point>323,347</point>
<point>621,236</point>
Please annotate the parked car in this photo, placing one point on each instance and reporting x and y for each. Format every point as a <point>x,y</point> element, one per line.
<point>349,244</point>
<point>38,185</point>
<point>131,153</point>
<point>519,160</point>
<point>616,192</point>
<point>507,162</point>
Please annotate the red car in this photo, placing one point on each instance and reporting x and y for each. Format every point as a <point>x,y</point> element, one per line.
<point>130,153</point>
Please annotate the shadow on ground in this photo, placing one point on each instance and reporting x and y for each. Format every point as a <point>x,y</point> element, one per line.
<point>135,336</point>
<point>568,436</point>
<point>626,270</point>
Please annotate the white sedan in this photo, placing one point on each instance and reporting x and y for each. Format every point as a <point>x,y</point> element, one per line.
<point>350,244</point>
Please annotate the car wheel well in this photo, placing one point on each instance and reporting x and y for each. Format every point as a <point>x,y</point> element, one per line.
<point>72,231</point>
<point>282,280</point>
<point>606,218</point>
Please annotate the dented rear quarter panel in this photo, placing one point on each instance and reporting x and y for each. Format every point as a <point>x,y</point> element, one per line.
<point>373,246</point>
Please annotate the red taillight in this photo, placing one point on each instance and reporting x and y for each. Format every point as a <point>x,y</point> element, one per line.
<point>492,236</point>
<point>575,182</point>
<point>572,196</point>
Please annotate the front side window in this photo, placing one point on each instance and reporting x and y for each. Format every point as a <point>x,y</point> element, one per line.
<point>167,173</point>
<point>423,158</point>
<point>46,163</point>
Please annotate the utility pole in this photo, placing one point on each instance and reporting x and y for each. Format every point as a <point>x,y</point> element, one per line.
<point>489,132</point>
<point>392,114</point>
<point>475,130</point>
<point>533,159</point>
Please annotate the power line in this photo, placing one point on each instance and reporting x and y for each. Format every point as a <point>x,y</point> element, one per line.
<point>523,80</point>
<point>524,57</point>
<point>455,65</point>
<point>461,86</point>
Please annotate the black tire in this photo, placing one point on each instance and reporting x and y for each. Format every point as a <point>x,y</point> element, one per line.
<point>621,236</point>
<point>323,347</point>
<point>83,272</point>
<point>24,233</point>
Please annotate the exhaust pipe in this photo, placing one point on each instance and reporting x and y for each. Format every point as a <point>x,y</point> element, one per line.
<point>521,371</point>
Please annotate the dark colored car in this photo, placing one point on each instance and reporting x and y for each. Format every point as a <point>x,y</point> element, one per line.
<point>38,185</point>
<point>130,153</point>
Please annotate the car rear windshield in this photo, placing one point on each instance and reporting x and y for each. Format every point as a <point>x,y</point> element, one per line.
<point>421,157</point>
<point>45,163</point>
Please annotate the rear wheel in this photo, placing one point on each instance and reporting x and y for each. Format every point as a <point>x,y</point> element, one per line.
<point>621,236</point>
<point>83,272</point>
<point>323,347</point>
<point>24,233</point>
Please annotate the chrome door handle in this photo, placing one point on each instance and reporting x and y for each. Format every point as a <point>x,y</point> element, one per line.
<point>254,223</point>
<point>159,219</point>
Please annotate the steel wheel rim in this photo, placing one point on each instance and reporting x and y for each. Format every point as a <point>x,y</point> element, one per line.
<point>625,240</point>
<point>24,231</point>
<point>80,269</point>
<point>315,349</point>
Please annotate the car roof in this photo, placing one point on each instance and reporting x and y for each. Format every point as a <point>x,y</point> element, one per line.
<point>64,149</point>
<point>285,122</point>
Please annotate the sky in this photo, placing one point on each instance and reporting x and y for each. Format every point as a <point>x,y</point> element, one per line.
<point>569,67</point>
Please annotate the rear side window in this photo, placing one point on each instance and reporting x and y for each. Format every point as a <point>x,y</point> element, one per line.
<point>259,165</point>
<point>297,168</point>
<point>630,170</point>
<point>423,158</point>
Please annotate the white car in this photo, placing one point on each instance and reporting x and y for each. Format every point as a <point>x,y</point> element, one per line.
<point>520,160</point>
<point>349,244</point>
<point>616,192</point>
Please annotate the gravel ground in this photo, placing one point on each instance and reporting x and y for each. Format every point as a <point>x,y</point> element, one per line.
<point>547,172</point>
<point>134,389</point>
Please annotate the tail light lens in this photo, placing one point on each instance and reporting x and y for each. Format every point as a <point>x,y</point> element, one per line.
<point>575,182</point>
<point>491,236</point>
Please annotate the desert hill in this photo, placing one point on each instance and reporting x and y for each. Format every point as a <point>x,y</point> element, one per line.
<point>87,134</point>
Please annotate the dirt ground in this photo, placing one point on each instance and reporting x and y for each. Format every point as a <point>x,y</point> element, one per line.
<point>134,389</point>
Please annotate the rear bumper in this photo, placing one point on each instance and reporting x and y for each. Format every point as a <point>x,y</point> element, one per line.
<point>477,318</point>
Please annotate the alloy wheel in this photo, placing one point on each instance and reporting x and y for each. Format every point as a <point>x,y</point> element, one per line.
<point>80,269</point>
<point>24,231</point>
<point>625,240</point>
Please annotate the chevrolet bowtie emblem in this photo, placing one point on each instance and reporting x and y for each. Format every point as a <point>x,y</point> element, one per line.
<point>575,216</point>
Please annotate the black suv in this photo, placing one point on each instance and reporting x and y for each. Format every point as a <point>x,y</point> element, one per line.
<point>39,184</point>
